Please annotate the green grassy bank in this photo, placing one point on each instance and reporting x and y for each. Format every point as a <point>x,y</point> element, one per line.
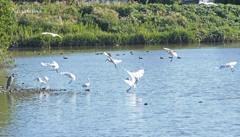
<point>96,24</point>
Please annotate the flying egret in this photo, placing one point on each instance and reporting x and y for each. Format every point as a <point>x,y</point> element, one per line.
<point>86,84</point>
<point>70,75</point>
<point>52,34</point>
<point>228,65</point>
<point>131,83</point>
<point>46,78</point>
<point>53,64</point>
<point>135,76</point>
<point>10,80</point>
<point>208,4</point>
<point>110,59</point>
<point>172,53</point>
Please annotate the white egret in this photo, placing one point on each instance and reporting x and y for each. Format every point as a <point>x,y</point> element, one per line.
<point>208,4</point>
<point>53,64</point>
<point>10,80</point>
<point>70,75</point>
<point>40,80</point>
<point>131,83</point>
<point>52,34</point>
<point>172,53</point>
<point>86,84</point>
<point>110,59</point>
<point>228,65</point>
<point>46,78</point>
<point>135,76</point>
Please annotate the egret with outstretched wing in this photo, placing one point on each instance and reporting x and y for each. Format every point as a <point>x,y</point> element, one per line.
<point>135,76</point>
<point>110,59</point>
<point>53,64</point>
<point>228,65</point>
<point>70,75</point>
<point>52,34</point>
<point>171,52</point>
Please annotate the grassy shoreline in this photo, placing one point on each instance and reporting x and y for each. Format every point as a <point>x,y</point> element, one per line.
<point>95,24</point>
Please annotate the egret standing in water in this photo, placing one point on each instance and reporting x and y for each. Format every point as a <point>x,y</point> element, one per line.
<point>10,80</point>
<point>110,59</point>
<point>172,53</point>
<point>135,76</point>
<point>86,84</point>
<point>42,81</point>
<point>38,79</point>
<point>53,64</point>
<point>52,34</point>
<point>228,65</point>
<point>70,75</point>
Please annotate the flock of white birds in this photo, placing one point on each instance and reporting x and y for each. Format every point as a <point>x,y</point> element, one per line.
<point>132,81</point>
<point>134,76</point>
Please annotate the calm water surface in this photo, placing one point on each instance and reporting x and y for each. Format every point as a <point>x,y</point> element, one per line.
<point>185,97</point>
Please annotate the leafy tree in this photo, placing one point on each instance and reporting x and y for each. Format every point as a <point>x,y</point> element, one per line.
<point>6,24</point>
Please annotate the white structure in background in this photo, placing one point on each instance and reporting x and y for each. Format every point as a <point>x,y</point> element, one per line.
<point>208,3</point>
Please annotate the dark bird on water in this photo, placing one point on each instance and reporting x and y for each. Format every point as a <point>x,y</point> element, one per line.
<point>10,80</point>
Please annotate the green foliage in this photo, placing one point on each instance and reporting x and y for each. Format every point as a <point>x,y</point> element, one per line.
<point>94,24</point>
<point>6,30</point>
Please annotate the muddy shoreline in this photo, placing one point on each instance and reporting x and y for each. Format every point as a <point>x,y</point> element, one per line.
<point>4,91</point>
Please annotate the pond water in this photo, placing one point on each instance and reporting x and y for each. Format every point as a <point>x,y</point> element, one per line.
<point>185,97</point>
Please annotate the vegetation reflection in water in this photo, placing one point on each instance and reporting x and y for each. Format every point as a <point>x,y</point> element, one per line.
<point>24,52</point>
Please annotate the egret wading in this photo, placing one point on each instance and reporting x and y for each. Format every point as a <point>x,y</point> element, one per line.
<point>10,80</point>
<point>135,76</point>
<point>53,64</point>
<point>86,84</point>
<point>110,59</point>
<point>52,34</point>
<point>38,79</point>
<point>70,75</point>
<point>228,65</point>
<point>172,53</point>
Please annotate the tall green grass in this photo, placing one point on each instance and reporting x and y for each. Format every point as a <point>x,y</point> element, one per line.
<point>100,24</point>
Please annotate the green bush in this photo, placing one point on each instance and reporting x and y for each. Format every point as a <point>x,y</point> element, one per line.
<point>94,24</point>
<point>6,31</point>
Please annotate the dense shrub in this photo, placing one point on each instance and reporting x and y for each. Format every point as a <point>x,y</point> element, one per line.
<point>94,24</point>
<point>6,31</point>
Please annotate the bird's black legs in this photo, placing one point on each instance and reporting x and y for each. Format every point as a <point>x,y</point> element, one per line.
<point>129,89</point>
<point>171,59</point>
